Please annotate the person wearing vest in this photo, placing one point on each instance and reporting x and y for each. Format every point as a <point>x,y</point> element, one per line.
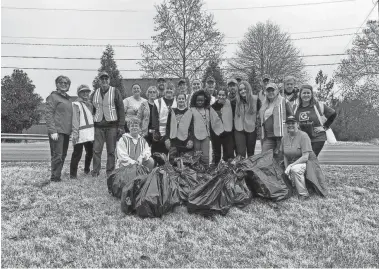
<point>58,115</point>
<point>210,88</point>
<point>161,85</point>
<point>83,131</point>
<point>109,120</point>
<point>225,139</point>
<point>161,109</point>
<point>290,92</point>
<point>132,148</point>
<point>273,114</point>
<point>245,117</point>
<point>175,146</point>
<point>262,93</point>
<point>204,118</point>
<point>151,94</point>
<point>136,106</point>
<point>314,118</point>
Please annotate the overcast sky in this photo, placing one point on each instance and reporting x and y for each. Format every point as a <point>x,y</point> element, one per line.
<point>139,25</point>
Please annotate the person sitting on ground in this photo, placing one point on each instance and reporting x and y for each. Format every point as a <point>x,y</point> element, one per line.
<point>132,148</point>
<point>300,161</point>
<point>175,146</point>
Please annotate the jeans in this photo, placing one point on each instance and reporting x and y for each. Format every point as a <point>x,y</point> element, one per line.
<point>317,147</point>
<point>297,176</point>
<point>245,142</point>
<point>224,141</point>
<point>109,136</point>
<point>203,146</point>
<point>77,155</point>
<point>58,151</point>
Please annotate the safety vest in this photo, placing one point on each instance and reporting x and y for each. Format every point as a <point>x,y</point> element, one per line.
<point>134,150</point>
<point>105,107</point>
<point>163,113</point>
<point>86,129</point>
<point>279,113</point>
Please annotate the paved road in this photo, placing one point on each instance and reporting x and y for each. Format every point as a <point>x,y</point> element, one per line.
<point>331,154</point>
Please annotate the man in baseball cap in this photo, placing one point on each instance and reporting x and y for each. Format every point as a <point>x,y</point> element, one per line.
<point>161,85</point>
<point>262,94</point>
<point>103,74</point>
<point>182,86</point>
<point>210,88</point>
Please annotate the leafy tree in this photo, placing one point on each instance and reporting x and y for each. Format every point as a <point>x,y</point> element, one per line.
<point>108,64</point>
<point>186,40</point>
<point>325,89</point>
<point>269,51</point>
<point>213,69</point>
<point>252,78</point>
<point>19,103</point>
<point>358,75</point>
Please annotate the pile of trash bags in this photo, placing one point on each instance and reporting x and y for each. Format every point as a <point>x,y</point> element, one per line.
<point>203,190</point>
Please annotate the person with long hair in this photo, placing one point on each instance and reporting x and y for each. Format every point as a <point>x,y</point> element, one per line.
<point>204,118</point>
<point>59,124</point>
<point>245,117</point>
<point>136,106</point>
<point>314,117</point>
<point>275,109</point>
<point>225,140</point>
<point>151,94</point>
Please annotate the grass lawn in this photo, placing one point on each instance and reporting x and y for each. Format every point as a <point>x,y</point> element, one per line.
<point>76,223</point>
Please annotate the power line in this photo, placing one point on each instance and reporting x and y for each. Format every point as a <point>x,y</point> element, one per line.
<point>137,46</point>
<point>140,59</point>
<point>134,10</point>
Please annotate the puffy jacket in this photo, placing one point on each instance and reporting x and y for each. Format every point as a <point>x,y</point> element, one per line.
<point>58,113</point>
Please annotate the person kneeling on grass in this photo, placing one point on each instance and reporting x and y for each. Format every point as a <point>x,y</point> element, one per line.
<point>300,161</point>
<point>132,148</point>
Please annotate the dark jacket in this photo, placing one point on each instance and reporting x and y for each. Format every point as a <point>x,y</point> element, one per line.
<point>58,113</point>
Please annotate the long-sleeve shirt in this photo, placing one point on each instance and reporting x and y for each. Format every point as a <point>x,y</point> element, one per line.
<point>119,104</point>
<point>58,113</point>
<point>123,158</point>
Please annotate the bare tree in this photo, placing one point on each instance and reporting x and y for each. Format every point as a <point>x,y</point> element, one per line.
<point>268,50</point>
<point>186,40</point>
<point>358,75</point>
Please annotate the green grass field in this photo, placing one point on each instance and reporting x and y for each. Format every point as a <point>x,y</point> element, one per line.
<point>76,223</point>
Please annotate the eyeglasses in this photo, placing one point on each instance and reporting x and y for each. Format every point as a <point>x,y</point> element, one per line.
<point>63,83</point>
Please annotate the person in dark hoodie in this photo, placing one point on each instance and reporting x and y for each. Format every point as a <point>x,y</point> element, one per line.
<point>83,132</point>
<point>290,92</point>
<point>109,120</point>
<point>59,125</point>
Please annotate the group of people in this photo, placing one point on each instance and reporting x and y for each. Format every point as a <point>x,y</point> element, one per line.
<point>176,119</point>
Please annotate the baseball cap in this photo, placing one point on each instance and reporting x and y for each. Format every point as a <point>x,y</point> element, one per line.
<point>265,76</point>
<point>272,85</point>
<point>210,78</point>
<point>161,79</point>
<point>103,74</point>
<point>231,80</point>
<point>181,81</point>
<point>83,87</point>
<point>291,119</point>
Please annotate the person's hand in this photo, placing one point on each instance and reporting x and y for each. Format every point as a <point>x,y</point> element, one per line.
<point>54,136</point>
<point>139,160</point>
<point>318,129</point>
<point>288,169</point>
<point>189,144</point>
<point>75,139</point>
<point>167,143</point>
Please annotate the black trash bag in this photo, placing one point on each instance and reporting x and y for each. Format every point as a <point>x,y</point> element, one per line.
<point>130,193</point>
<point>264,177</point>
<point>314,177</point>
<point>117,180</point>
<point>220,193</point>
<point>160,193</point>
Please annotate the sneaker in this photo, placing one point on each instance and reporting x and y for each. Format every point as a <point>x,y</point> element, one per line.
<point>56,179</point>
<point>86,172</point>
<point>95,174</point>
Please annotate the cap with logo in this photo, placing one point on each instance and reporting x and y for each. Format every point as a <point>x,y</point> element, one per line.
<point>291,119</point>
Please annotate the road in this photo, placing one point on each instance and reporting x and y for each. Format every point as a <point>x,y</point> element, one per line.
<point>331,154</point>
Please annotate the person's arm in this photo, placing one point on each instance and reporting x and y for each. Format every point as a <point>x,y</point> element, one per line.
<point>330,114</point>
<point>49,115</point>
<point>144,115</point>
<point>168,125</point>
<point>259,105</point>
<point>120,109</point>
<point>122,153</point>
<point>147,152</point>
<point>91,101</point>
<point>75,123</point>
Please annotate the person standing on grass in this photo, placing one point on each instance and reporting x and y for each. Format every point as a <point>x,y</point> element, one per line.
<point>83,132</point>
<point>290,91</point>
<point>173,144</point>
<point>151,94</point>
<point>58,115</point>
<point>273,113</point>
<point>109,119</point>
<point>225,140</point>
<point>161,109</point>
<point>245,118</point>
<point>314,117</point>
<point>210,88</point>
<point>161,85</point>
<point>136,106</point>
<point>132,148</point>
